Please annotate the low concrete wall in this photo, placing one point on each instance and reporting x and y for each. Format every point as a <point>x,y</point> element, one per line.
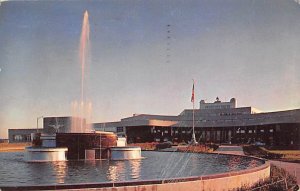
<point>217,182</point>
<point>43,154</point>
<point>125,153</point>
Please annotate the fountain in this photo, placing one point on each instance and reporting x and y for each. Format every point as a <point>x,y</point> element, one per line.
<point>78,142</point>
<point>59,143</point>
<point>83,110</point>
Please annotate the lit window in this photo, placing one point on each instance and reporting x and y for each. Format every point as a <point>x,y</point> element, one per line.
<point>262,130</point>
<point>18,138</point>
<point>166,131</point>
<point>271,130</point>
<point>250,131</point>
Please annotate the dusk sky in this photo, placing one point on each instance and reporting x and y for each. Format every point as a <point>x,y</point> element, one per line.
<point>247,49</point>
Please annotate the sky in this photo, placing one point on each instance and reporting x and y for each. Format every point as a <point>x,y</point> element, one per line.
<point>247,49</point>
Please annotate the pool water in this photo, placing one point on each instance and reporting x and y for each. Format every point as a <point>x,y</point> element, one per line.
<point>14,171</point>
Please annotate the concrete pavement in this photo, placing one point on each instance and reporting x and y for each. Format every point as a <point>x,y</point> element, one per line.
<point>292,168</point>
<point>230,149</point>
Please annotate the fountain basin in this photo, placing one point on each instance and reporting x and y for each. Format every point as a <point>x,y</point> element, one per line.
<point>42,154</point>
<point>125,153</point>
<point>158,171</point>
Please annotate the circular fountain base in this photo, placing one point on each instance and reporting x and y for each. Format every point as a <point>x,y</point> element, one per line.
<point>41,154</point>
<point>125,153</point>
<point>158,171</point>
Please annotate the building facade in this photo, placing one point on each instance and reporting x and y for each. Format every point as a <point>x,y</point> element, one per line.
<point>218,122</point>
<point>218,104</point>
<point>20,135</point>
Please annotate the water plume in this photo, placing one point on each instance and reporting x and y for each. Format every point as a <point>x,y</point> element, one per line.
<point>82,110</point>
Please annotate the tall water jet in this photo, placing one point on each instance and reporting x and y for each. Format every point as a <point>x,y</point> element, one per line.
<point>84,43</point>
<point>81,111</point>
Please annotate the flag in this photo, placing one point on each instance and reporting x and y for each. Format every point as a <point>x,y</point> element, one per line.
<point>193,94</point>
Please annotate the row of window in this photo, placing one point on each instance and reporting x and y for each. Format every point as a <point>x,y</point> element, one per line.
<point>229,114</point>
<point>176,131</point>
<point>120,129</point>
<point>22,138</point>
<point>254,131</point>
<point>238,131</point>
<point>236,120</point>
<point>217,107</point>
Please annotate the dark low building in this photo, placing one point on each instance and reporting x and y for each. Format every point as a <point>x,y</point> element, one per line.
<point>20,135</point>
<point>218,122</point>
<point>3,140</point>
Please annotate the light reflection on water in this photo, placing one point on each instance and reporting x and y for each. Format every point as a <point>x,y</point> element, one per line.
<point>124,170</point>
<point>60,169</point>
<point>156,165</point>
<point>135,168</point>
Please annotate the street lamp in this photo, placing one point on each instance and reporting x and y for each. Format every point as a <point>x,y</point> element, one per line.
<point>37,123</point>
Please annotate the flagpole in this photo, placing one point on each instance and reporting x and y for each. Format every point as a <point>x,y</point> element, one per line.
<point>194,138</point>
<point>193,100</point>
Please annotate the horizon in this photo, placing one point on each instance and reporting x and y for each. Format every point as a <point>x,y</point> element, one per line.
<point>144,55</point>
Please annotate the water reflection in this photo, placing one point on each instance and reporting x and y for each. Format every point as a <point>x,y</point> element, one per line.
<point>60,170</point>
<point>116,171</point>
<point>135,167</point>
<point>91,162</point>
<point>253,163</point>
<point>233,163</point>
<point>124,170</point>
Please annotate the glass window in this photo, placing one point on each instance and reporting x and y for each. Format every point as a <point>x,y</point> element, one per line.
<point>119,129</point>
<point>18,138</point>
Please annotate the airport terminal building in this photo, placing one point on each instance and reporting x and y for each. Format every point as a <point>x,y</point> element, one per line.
<point>217,122</point>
